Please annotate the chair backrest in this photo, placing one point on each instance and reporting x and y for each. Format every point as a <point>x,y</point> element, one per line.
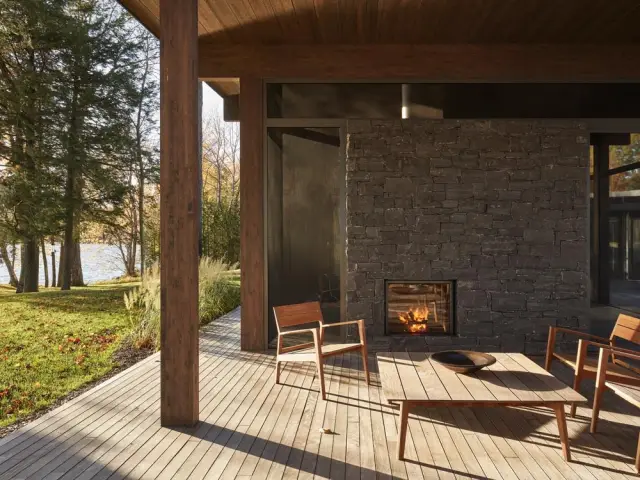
<point>627,328</point>
<point>298,314</point>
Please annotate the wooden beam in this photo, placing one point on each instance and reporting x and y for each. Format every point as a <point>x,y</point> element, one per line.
<point>179,212</point>
<point>437,63</point>
<point>253,325</point>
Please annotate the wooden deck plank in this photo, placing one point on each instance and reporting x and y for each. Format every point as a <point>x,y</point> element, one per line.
<point>287,444</point>
<point>380,450</point>
<point>155,446</point>
<point>323,461</point>
<point>206,464</point>
<point>389,420</point>
<point>339,451</point>
<point>217,420</point>
<point>294,459</point>
<point>435,447</point>
<point>353,446</point>
<point>240,438</point>
<point>275,437</point>
<point>517,436</point>
<point>62,438</point>
<point>365,427</point>
<point>252,428</point>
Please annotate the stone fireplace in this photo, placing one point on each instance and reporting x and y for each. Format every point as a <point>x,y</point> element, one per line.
<point>501,206</point>
<point>419,308</point>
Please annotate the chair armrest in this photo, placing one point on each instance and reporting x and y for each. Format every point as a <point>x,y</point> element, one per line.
<point>302,330</point>
<point>360,324</point>
<point>350,322</point>
<point>621,352</point>
<point>579,334</point>
<point>615,350</point>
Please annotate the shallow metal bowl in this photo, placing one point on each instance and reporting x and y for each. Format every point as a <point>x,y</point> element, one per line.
<point>463,361</point>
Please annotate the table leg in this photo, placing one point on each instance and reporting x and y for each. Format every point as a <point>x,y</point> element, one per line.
<point>562,429</point>
<point>402,433</point>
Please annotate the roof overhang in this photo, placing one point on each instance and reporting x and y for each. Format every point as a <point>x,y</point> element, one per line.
<point>229,27</point>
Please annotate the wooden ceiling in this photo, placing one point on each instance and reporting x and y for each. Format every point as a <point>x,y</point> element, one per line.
<point>408,21</point>
<point>411,21</point>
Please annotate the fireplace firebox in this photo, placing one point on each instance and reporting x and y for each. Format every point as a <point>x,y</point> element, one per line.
<point>419,307</point>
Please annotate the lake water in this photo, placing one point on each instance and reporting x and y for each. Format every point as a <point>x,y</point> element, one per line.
<point>99,262</point>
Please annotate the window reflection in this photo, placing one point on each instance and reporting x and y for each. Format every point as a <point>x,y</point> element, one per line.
<point>624,226</point>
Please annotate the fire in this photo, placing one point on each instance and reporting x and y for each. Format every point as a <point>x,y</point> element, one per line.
<point>415,319</point>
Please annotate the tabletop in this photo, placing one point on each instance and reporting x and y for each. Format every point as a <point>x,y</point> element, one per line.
<point>513,379</point>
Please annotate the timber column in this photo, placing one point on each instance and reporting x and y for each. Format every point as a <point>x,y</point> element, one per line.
<point>179,211</point>
<point>252,253</point>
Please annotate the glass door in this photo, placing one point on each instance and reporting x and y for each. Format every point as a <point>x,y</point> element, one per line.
<point>305,229</point>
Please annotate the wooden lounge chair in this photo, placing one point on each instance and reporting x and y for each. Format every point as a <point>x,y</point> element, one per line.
<point>626,328</point>
<point>309,313</point>
<point>631,393</point>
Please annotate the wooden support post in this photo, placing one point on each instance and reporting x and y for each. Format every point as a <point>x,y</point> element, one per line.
<point>600,174</point>
<point>179,212</point>
<point>253,326</point>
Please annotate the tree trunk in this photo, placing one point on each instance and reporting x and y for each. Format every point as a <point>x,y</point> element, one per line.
<point>61,264</point>
<point>141,219</point>
<point>4,255</point>
<point>53,266</point>
<point>77,279</point>
<point>44,263</point>
<point>31,265</point>
<point>66,258</point>
<point>20,286</point>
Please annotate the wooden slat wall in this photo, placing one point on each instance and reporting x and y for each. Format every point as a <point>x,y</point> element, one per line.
<point>252,254</point>
<point>179,211</point>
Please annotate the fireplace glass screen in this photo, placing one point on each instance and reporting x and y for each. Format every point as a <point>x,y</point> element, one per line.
<point>419,308</point>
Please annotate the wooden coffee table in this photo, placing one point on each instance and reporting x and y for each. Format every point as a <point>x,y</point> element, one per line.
<point>413,379</point>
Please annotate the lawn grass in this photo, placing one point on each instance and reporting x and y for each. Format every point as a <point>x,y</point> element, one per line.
<point>53,342</point>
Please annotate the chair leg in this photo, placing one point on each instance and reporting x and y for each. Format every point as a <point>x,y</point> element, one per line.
<point>601,386</point>
<point>277,372</point>
<point>638,456</point>
<point>323,392</point>
<point>365,363</point>
<point>578,372</point>
<point>576,386</point>
<point>597,401</point>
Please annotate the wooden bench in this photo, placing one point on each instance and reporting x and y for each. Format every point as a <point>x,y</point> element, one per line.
<point>626,328</point>
<point>413,379</point>
<point>631,393</point>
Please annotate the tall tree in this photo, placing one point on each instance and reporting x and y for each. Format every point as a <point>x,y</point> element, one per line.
<point>98,103</point>
<point>146,128</point>
<point>29,38</point>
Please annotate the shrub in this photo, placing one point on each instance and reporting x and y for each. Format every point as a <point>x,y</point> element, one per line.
<point>219,293</point>
<point>221,230</point>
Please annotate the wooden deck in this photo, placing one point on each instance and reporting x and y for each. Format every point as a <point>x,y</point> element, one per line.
<point>251,427</point>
